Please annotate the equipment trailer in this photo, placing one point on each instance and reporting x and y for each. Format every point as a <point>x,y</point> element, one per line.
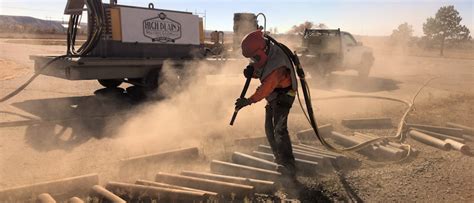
<point>125,44</point>
<point>110,72</point>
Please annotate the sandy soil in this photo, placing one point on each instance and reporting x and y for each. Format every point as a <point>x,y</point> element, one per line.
<point>71,143</point>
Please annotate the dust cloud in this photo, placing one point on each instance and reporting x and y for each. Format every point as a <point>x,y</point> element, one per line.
<point>195,109</point>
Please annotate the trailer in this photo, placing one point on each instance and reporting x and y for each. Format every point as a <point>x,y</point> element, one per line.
<point>110,72</point>
<point>131,44</point>
<point>125,44</point>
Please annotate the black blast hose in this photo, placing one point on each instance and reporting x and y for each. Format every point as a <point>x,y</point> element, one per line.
<point>305,88</point>
<point>242,95</point>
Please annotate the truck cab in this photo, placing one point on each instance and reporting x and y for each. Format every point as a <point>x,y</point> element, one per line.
<point>326,50</point>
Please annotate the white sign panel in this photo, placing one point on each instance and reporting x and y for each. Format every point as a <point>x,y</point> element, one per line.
<point>158,26</point>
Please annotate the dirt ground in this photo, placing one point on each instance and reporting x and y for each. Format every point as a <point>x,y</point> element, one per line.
<point>87,132</point>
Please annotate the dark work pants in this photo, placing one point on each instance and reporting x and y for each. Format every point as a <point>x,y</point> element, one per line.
<point>276,129</point>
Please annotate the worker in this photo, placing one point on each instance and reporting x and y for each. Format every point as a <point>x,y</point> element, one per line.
<point>278,86</point>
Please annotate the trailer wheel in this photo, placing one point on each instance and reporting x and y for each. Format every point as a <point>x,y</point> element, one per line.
<point>151,80</point>
<point>110,83</point>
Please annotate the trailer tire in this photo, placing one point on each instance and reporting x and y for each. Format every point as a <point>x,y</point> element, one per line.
<point>110,83</point>
<point>151,80</point>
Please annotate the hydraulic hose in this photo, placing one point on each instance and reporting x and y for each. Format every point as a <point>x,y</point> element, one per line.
<point>19,89</point>
<point>96,8</point>
<point>304,86</point>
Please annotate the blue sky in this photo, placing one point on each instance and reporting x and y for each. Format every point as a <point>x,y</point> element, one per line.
<point>364,17</point>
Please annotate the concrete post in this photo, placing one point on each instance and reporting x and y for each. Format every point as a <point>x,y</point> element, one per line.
<point>371,150</point>
<point>72,186</point>
<point>424,138</point>
<point>141,191</point>
<point>456,132</point>
<point>244,159</point>
<point>369,137</point>
<point>468,137</point>
<point>458,146</point>
<point>45,198</point>
<point>204,184</point>
<point>399,150</point>
<point>299,155</point>
<point>399,146</point>
<point>109,196</point>
<point>440,135</point>
<point>328,156</point>
<point>389,152</point>
<point>226,168</point>
<point>321,151</point>
<point>346,141</point>
<point>75,200</point>
<point>251,141</point>
<point>379,150</point>
<point>186,153</point>
<point>467,130</point>
<point>164,185</point>
<point>307,167</point>
<point>309,134</point>
<point>262,186</point>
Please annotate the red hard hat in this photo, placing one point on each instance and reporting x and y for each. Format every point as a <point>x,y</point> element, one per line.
<point>253,46</point>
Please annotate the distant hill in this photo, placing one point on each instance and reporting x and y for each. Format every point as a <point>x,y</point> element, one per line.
<point>29,24</point>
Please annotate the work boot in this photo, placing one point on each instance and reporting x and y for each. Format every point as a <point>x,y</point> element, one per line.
<point>290,185</point>
<point>287,172</point>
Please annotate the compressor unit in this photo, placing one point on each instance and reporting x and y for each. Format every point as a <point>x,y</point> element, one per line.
<point>148,32</point>
<point>128,31</point>
<point>124,43</point>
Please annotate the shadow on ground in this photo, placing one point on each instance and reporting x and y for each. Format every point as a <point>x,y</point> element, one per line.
<point>355,83</point>
<point>65,123</point>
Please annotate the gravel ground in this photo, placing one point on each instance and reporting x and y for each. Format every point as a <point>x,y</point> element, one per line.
<point>40,152</point>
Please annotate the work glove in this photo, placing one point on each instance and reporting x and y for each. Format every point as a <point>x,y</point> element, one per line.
<point>248,71</point>
<point>242,102</point>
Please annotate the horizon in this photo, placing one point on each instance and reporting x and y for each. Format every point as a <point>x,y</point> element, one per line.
<point>357,17</point>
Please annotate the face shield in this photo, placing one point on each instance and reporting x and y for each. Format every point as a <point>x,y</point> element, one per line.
<point>259,59</point>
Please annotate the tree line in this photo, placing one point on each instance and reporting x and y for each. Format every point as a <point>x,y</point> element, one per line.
<point>441,31</point>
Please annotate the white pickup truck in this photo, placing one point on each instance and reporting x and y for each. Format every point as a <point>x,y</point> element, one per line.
<point>327,50</point>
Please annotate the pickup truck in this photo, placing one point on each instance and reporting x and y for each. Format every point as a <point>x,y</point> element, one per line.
<point>326,50</point>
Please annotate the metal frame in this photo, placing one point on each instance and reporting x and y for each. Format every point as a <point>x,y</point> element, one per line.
<point>93,68</point>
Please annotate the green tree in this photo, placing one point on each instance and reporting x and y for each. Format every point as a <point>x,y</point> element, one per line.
<point>446,27</point>
<point>402,35</point>
<point>299,29</point>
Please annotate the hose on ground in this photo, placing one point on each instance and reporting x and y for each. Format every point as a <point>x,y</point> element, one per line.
<point>309,114</point>
<point>97,10</point>
<point>24,85</point>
